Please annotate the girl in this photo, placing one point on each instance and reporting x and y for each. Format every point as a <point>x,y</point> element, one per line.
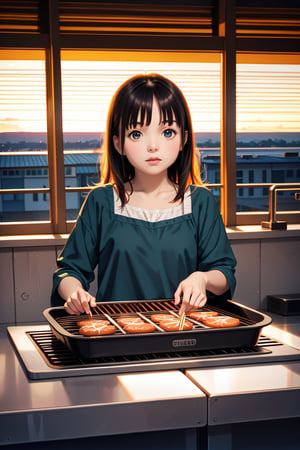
<point>152,228</point>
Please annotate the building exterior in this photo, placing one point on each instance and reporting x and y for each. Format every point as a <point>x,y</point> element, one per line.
<point>253,168</point>
<point>31,171</point>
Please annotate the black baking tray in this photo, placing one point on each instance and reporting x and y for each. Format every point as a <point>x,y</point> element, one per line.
<point>199,338</point>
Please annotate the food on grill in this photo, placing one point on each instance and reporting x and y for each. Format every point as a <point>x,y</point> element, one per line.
<point>139,328</point>
<point>84,322</point>
<point>97,330</point>
<point>221,322</point>
<point>202,315</point>
<point>173,325</point>
<point>159,317</point>
<point>159,341</point>
<point>129,321</point>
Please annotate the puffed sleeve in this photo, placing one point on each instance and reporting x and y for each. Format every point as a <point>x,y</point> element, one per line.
<point>214,249</point>
<point>81,252</point>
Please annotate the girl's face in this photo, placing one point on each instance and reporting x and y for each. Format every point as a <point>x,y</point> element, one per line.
<point>152,149</point>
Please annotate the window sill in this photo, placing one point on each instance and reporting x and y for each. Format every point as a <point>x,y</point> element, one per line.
<point>38,240</point>
<point>257,232</point>
<point>245,232</point>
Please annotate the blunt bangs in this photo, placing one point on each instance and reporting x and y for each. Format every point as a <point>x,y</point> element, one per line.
<point>134,104</point>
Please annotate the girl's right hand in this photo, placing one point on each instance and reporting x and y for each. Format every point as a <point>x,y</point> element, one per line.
<point>79,302</point>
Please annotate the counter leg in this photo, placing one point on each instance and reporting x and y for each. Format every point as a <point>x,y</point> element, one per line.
<point>219,437</point>
<point>191,439</point>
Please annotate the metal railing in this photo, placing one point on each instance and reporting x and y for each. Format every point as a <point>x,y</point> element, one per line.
<point>272,223</point>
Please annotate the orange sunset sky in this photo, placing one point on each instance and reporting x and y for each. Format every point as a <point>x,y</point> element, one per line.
<point>268,95</point>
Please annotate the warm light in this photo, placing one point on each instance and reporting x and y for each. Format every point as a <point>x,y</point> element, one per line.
<point>268,96</point>
<point>22,91</point>
<point>283,335</point>
<point>158,385</point>
<point>87,92</point>
<point>3,370</point>
<point>32,237</point>
<point>245,379</point>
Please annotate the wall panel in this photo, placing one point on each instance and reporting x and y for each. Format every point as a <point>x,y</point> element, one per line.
<point>247,290</point>
<point>33,282</point>
<point>7,298</point>
<point>280,268</point>
<point>270,266</point>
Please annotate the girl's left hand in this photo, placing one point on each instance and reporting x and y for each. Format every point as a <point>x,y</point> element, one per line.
<point>192,292</point>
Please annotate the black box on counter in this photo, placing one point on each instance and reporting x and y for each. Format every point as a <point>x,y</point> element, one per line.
<point>285,305</point>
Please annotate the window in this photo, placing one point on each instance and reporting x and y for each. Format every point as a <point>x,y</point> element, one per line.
<point>23,145</point>
<point>268,127</point>
<point>192,44</point>
<point>265,191</point>
<point>278,176</point>
<point>45,196</point>
<point>89,81</point>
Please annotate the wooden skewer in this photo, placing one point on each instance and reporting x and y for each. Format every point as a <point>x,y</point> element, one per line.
<point>181,323</point>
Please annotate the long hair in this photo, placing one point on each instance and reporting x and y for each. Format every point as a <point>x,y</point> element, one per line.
<point>132,103</point>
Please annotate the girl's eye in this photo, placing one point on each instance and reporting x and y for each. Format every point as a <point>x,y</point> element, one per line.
<point>169,133</point>
<point>135,135</point>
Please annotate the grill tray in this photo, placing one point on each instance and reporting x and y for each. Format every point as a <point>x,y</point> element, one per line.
<point>200,337</point>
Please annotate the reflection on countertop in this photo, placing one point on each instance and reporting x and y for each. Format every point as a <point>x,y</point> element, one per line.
<point>284,329</point>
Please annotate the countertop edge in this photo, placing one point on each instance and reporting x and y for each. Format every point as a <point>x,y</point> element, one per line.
<point>250,232</point>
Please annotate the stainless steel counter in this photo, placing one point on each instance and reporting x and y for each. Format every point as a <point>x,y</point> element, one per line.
<point>250,393</point>
<point>289,324</point>
<point>109,405</point>
<point>93,405</point>
<point>255,406</point>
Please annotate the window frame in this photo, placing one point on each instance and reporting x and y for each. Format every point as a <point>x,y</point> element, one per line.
<point>223,39</point>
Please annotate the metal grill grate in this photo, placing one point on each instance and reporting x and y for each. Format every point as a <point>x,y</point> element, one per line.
<point>135,307</point>
<point>57,355</point>
<point>113,311</point>
<point>200,338</point>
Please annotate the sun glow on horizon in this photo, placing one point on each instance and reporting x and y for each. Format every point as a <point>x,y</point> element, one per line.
<point>268,95</point>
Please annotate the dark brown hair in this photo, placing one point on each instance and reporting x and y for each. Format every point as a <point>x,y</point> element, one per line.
<point>132,102</point>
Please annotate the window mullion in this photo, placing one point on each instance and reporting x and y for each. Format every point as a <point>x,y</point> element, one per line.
<point>228,122</point>
<point>54,124</point>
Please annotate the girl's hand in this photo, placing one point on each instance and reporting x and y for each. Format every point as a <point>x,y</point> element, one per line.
<point>79,302</point>
<point>192,292</point>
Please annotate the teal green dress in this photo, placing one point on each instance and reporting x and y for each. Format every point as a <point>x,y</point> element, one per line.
<point>141,259</point>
